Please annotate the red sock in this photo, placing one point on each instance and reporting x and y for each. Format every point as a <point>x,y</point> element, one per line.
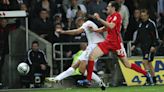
<point>138,69</point>
<point>90,69</point>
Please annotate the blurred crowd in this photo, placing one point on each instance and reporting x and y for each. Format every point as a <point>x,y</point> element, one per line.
<point>46,15</point>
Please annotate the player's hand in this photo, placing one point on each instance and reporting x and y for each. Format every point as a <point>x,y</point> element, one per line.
<point>96,16</point>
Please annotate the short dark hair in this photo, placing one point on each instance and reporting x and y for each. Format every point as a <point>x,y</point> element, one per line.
<point>35,42</point>
<point>116,5</point>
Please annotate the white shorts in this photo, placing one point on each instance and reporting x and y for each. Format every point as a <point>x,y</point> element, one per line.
<point>85,55</point>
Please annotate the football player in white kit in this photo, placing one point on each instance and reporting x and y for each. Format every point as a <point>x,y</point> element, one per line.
<point>93,38</point>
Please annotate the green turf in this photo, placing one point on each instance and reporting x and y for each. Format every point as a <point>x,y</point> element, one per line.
<point>110,89</point>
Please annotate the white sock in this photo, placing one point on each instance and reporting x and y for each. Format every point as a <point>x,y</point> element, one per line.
<point>94,77</point>
<point>65,74</point>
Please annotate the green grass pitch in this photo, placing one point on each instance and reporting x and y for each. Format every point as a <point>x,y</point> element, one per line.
<point>110,89</point>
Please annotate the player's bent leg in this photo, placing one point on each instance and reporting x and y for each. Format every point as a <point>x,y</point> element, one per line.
<point>76,65</point>
<point>82,66</point>
<point>96,53</point>
<point>64,74</point>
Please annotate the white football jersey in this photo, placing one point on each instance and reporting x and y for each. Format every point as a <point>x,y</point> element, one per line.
<point>92,37</point>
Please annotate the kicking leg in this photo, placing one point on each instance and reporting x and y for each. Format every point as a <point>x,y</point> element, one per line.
<point>64,74</point>
<point>68,72</point>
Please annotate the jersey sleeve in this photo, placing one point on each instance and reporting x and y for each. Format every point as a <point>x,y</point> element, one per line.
<point>85,25</point>
<point>89,24</point>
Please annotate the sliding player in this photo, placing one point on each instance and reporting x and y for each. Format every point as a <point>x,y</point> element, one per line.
<point>93,38</point>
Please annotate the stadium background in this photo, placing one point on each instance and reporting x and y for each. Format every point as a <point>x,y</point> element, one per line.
<point>17,52</point>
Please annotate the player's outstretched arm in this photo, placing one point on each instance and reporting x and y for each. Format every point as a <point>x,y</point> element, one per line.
<point>101,29</point>
<point>71,32</point>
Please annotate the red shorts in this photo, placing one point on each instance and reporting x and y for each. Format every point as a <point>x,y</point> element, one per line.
<point>116,47</point>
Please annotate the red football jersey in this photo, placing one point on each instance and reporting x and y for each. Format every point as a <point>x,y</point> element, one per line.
<point>114,34</point>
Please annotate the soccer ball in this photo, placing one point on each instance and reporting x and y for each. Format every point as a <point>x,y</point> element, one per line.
<point>23,68</point>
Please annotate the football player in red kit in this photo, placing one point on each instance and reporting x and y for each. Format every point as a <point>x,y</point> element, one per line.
<point>113,41</point>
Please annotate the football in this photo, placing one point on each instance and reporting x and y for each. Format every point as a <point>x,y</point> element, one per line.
<point>23,68</point>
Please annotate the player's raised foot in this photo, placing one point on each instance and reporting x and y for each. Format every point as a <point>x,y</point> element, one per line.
<point>51,79</point>
<point>84,82</point>
<point>102,85</point>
